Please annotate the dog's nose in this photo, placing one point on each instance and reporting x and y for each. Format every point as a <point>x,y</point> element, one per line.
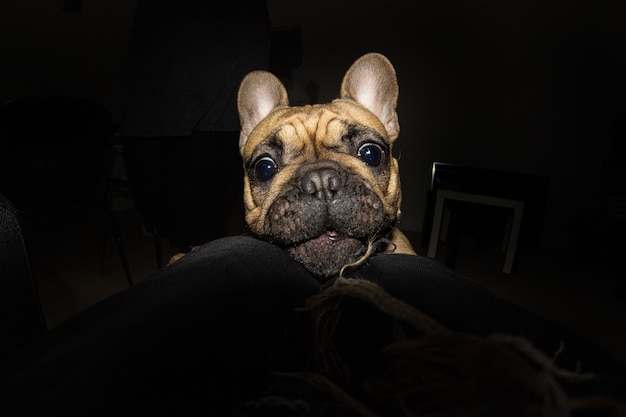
<point>323,182</point>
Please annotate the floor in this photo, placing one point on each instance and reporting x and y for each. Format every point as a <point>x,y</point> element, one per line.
<point>572,291</point>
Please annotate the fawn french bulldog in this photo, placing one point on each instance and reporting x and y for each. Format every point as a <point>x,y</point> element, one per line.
<point>320,180</point>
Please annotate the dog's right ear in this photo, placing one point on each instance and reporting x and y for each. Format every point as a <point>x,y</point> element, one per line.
<point>260,92</point>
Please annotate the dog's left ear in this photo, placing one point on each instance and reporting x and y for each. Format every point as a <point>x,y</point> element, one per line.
<point>371,81</point>
<point>260,92</point>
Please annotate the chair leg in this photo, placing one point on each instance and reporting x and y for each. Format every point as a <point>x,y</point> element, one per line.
<point>111,184</point>
<point>452,239</point>
<point>99,235</point>
<point>157,250</point>
<point>115,228</point>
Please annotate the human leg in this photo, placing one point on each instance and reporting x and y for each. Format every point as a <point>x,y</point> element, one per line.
<point>461,304</point>
<point>193,337</point>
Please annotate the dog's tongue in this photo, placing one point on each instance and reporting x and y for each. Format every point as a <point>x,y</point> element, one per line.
<point>334,235</point>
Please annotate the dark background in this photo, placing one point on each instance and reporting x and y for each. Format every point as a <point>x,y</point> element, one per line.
<point>527,86</point>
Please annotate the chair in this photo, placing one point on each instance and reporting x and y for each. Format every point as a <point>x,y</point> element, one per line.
<point>53,163</point>
<point>188,190</point>
<point>21,316</point>
<point>457,194</point>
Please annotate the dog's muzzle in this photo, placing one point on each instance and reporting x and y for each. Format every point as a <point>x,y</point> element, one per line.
<point>325,216</point>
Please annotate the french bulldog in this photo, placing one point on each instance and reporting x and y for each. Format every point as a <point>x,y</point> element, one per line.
<point>320,180</point>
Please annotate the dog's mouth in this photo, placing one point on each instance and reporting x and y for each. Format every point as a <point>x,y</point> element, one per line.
<point>327,253</point>
<point>328,229</point>
<point>333,235</point>
<point>332,238</point>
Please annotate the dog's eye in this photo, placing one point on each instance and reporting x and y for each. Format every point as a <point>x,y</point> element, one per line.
<point>265,168</point>
<point>371,154</point>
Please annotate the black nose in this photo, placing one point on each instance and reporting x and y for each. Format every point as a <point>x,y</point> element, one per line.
<point>322,180</point>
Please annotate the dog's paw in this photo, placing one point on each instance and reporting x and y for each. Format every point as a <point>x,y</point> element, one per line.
<point>179,255</point>
<point>174,258</point>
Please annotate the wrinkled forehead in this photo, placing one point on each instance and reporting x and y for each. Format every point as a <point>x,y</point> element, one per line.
<point>313,125</point>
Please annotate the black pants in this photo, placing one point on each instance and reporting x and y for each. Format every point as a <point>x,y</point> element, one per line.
<point>187,189</point>
<point>206,332</point>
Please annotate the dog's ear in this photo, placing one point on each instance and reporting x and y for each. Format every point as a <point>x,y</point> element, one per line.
<point>371,81</point>
<point>260,92</point>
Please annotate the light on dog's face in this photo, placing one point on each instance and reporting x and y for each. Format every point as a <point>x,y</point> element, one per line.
<point>320,180</point>
<point>320,191</point>
<point>309,134</point>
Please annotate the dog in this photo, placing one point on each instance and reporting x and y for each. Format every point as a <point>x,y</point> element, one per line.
<point>320,180</point>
